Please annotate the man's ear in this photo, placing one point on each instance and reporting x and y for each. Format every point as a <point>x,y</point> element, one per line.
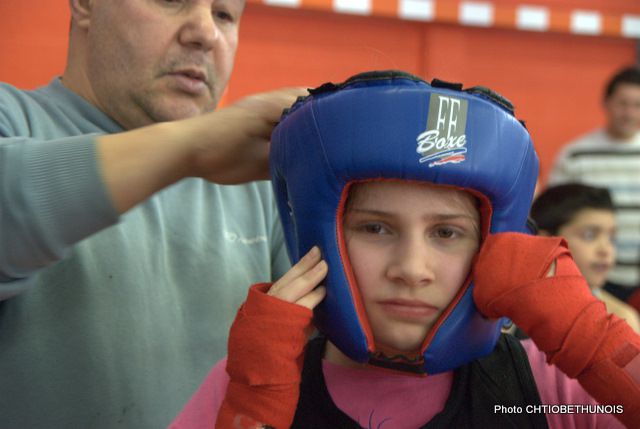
<point>81,12</point>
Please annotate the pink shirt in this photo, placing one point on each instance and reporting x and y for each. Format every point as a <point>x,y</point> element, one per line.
<point>380,399</point>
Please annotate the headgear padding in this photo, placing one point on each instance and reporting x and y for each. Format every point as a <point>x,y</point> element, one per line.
<point>394,125</point>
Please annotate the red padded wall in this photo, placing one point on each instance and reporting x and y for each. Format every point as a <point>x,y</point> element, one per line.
<point>554,79</point>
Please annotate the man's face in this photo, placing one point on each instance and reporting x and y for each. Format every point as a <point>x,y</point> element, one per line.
<point>623,111</point>
<point>160,60</point>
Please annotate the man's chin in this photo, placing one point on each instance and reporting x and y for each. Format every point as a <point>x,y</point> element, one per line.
<point>179,111</point>
<point>623,133</point>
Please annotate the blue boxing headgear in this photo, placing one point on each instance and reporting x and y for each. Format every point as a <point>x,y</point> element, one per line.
<point>393,125</point>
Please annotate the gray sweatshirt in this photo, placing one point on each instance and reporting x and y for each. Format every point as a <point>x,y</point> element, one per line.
<point>109,321</point>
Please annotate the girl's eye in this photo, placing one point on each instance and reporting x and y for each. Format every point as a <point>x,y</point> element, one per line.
<point>171,3</point>
<point>445,233</point>
<point>374,228</point>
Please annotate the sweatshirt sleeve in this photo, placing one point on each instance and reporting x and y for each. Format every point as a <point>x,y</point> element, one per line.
<point>51,197</point>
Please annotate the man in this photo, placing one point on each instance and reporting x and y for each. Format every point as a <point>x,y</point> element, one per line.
<point>120,268</point>
<point>610,158</point>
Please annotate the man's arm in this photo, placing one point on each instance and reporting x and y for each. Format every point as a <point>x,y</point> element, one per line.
<point>229,146</point>
<point>53,194</point>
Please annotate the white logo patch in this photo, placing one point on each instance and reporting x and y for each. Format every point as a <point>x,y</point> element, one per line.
<point>444,140</point>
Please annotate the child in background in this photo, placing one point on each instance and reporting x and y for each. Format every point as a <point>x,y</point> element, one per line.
<point>405,193</point>
<point>585,216</point>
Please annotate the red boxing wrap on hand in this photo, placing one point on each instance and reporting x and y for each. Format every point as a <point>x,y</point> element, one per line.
<point>561,316</point>
<point>266,352</point>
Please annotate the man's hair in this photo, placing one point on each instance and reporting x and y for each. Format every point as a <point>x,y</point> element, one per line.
<point>629,75</point>
<point>558,205</point>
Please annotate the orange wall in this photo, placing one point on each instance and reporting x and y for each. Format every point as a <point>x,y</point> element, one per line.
<point>604,6</point>
<point>555,80</point>
<point>33,43</point>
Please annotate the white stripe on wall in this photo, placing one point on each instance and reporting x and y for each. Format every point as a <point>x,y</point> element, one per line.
<point>586,22</point>
<point>359,7</point>
<point>283,3</point>
<point>533,18</point>
<point>419,10</point>
<point>631,26</point>
<point>476,13</point>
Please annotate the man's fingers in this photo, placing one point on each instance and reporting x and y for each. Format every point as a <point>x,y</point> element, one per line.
<point>282,99</point>
<point>270,105</point>
<point>238,150</point>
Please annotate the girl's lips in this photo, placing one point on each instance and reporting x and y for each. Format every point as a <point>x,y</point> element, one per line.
<point>411,310</point>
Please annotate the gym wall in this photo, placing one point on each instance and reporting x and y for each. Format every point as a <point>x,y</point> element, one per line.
<point>554,77</point>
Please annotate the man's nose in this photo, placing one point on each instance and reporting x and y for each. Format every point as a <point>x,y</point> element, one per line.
<point>199,28</point>
<point>411,263</point>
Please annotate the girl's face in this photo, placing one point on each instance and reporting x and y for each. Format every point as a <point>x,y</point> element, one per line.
<point>410,246</point>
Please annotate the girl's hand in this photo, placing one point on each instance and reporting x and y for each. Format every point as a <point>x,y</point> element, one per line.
<point>300,284</point>
<point>266,347</point>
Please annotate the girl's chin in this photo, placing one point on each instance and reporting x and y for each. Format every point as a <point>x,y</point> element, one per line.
<point>410,346</point>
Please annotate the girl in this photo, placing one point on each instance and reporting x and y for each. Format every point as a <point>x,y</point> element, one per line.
<point>412,198</point>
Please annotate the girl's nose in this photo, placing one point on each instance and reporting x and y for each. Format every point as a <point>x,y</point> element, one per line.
<point>410,264</point>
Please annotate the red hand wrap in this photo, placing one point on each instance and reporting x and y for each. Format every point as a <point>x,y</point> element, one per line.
<point>561,316</point>
<point>266,352</point>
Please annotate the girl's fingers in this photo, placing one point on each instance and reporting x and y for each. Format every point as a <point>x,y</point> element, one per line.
<point>301,285</point>
<point>307,262</point>
<point>313,298</point>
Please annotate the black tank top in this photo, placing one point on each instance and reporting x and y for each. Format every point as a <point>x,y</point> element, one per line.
<point>502,378</point>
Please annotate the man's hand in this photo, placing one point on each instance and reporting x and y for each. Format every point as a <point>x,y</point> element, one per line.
<point>233,143</point>
<point>228,146</point>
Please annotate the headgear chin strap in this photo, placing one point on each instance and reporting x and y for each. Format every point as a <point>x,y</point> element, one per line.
<point>393,125</point>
